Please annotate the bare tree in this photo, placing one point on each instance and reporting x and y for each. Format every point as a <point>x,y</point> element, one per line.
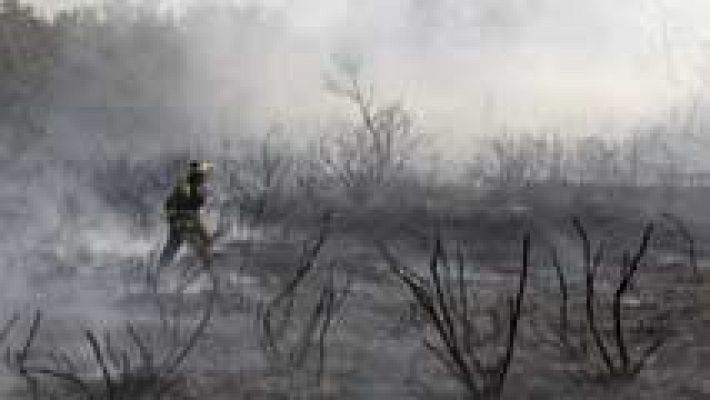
<point>458,341</point>
<point>607,344</point>
<point>372,152</point>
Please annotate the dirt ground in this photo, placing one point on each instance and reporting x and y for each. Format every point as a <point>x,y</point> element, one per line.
<point>373,347</point>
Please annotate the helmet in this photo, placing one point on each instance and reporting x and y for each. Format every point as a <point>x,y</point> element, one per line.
<point>200,166</point>
<point>197,170</point>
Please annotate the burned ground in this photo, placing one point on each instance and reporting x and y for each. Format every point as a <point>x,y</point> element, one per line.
<point>348,326</point>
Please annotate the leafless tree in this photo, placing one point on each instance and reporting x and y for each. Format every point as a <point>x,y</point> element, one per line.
<point>458,340</point>
<point>603,345</point>
<point>369,154</point>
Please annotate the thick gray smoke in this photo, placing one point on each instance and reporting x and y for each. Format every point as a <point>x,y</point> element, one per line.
<point>164,80</point>
<point>469,68</point>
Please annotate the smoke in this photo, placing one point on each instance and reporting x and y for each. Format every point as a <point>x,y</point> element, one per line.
<point>467,68</point>
<point>58,237</point>
<point>220,71</point>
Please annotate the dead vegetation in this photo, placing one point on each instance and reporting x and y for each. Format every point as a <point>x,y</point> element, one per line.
<point>682,230</point>
<point>602,329</point>
<point>610,336</point>
<point>372,152</point>
<point>139,361</point>
<point>469,350</point>
<point>296,322</point>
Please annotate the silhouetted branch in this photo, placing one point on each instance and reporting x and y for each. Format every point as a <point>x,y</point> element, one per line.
<point>619,362</point>
<point>129,369</point>
<point>445,302</point>
<point>688,237</point>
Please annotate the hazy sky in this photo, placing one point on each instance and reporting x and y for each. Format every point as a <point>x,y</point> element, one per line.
<point>473,65</point>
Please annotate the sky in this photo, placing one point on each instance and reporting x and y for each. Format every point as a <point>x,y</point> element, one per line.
<point>473,66</point>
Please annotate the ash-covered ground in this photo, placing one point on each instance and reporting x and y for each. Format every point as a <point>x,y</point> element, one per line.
<point>310,304</point>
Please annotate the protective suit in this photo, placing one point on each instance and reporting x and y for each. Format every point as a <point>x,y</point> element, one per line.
<point>183,212</point>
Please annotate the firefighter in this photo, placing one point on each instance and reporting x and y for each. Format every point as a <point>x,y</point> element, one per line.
<point>182,209</point>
